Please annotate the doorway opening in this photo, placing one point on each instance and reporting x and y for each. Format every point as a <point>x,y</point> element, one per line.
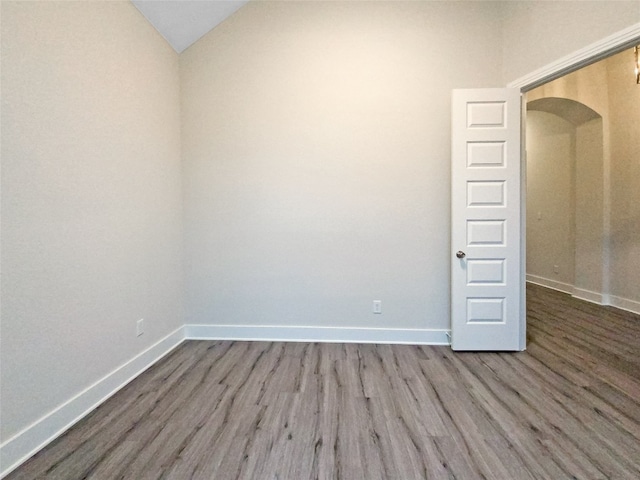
<point>583,168</point>
<point>565,197</point>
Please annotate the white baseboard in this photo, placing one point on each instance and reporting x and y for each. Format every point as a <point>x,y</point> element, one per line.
<point>553,284</point>
<point>589,296</point>
<point>625,304</point>
<point>317,334</point>
<point>629,305</point>
<point>26,443</point>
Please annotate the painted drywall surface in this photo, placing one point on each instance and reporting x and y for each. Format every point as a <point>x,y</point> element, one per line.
<point>550,197</point>
<point>316,153</point>
<point>537,33</point>
<point>589,87</point>
<point>624,108</point>
<point>91,202</point>
<point>565,200</point>
<point>589,206</point>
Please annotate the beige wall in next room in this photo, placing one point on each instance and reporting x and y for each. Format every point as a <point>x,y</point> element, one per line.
<point>604,195</point>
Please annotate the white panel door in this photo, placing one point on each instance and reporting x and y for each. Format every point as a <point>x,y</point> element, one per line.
<point>485,238</point>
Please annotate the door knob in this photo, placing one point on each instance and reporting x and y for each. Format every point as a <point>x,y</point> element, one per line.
<point>461,254</point>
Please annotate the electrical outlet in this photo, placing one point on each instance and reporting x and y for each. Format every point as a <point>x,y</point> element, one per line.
<point>377,306</point>
<point>140,327</point>
<point>556,269</point>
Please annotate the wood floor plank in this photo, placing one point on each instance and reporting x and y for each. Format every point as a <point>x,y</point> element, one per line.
<point>568,407</point>
<point>558,422</point>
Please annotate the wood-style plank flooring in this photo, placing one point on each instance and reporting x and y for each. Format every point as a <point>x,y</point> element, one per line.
<point>568,407</point>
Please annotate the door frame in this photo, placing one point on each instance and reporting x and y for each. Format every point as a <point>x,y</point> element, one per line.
<point>592,53</point>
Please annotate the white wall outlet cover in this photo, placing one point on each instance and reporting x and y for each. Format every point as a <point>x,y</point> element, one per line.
<point>377,306</point>
<point>140,327</point>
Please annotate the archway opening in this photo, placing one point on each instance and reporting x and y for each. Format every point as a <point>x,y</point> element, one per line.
<point>566,218</point>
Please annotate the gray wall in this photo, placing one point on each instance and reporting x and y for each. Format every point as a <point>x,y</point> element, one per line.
<point>316,143</point>
<point>91,205</point>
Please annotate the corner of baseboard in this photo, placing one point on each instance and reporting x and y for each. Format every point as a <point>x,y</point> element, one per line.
<point>627,304</point>
<point>589,296</point>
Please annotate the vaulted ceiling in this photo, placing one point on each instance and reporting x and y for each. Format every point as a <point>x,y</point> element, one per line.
<point>182,22</point>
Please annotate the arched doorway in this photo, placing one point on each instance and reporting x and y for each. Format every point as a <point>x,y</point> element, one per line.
<point>566,218</point>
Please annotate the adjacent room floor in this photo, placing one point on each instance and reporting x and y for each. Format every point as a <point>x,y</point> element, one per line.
<point>568,407</point>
